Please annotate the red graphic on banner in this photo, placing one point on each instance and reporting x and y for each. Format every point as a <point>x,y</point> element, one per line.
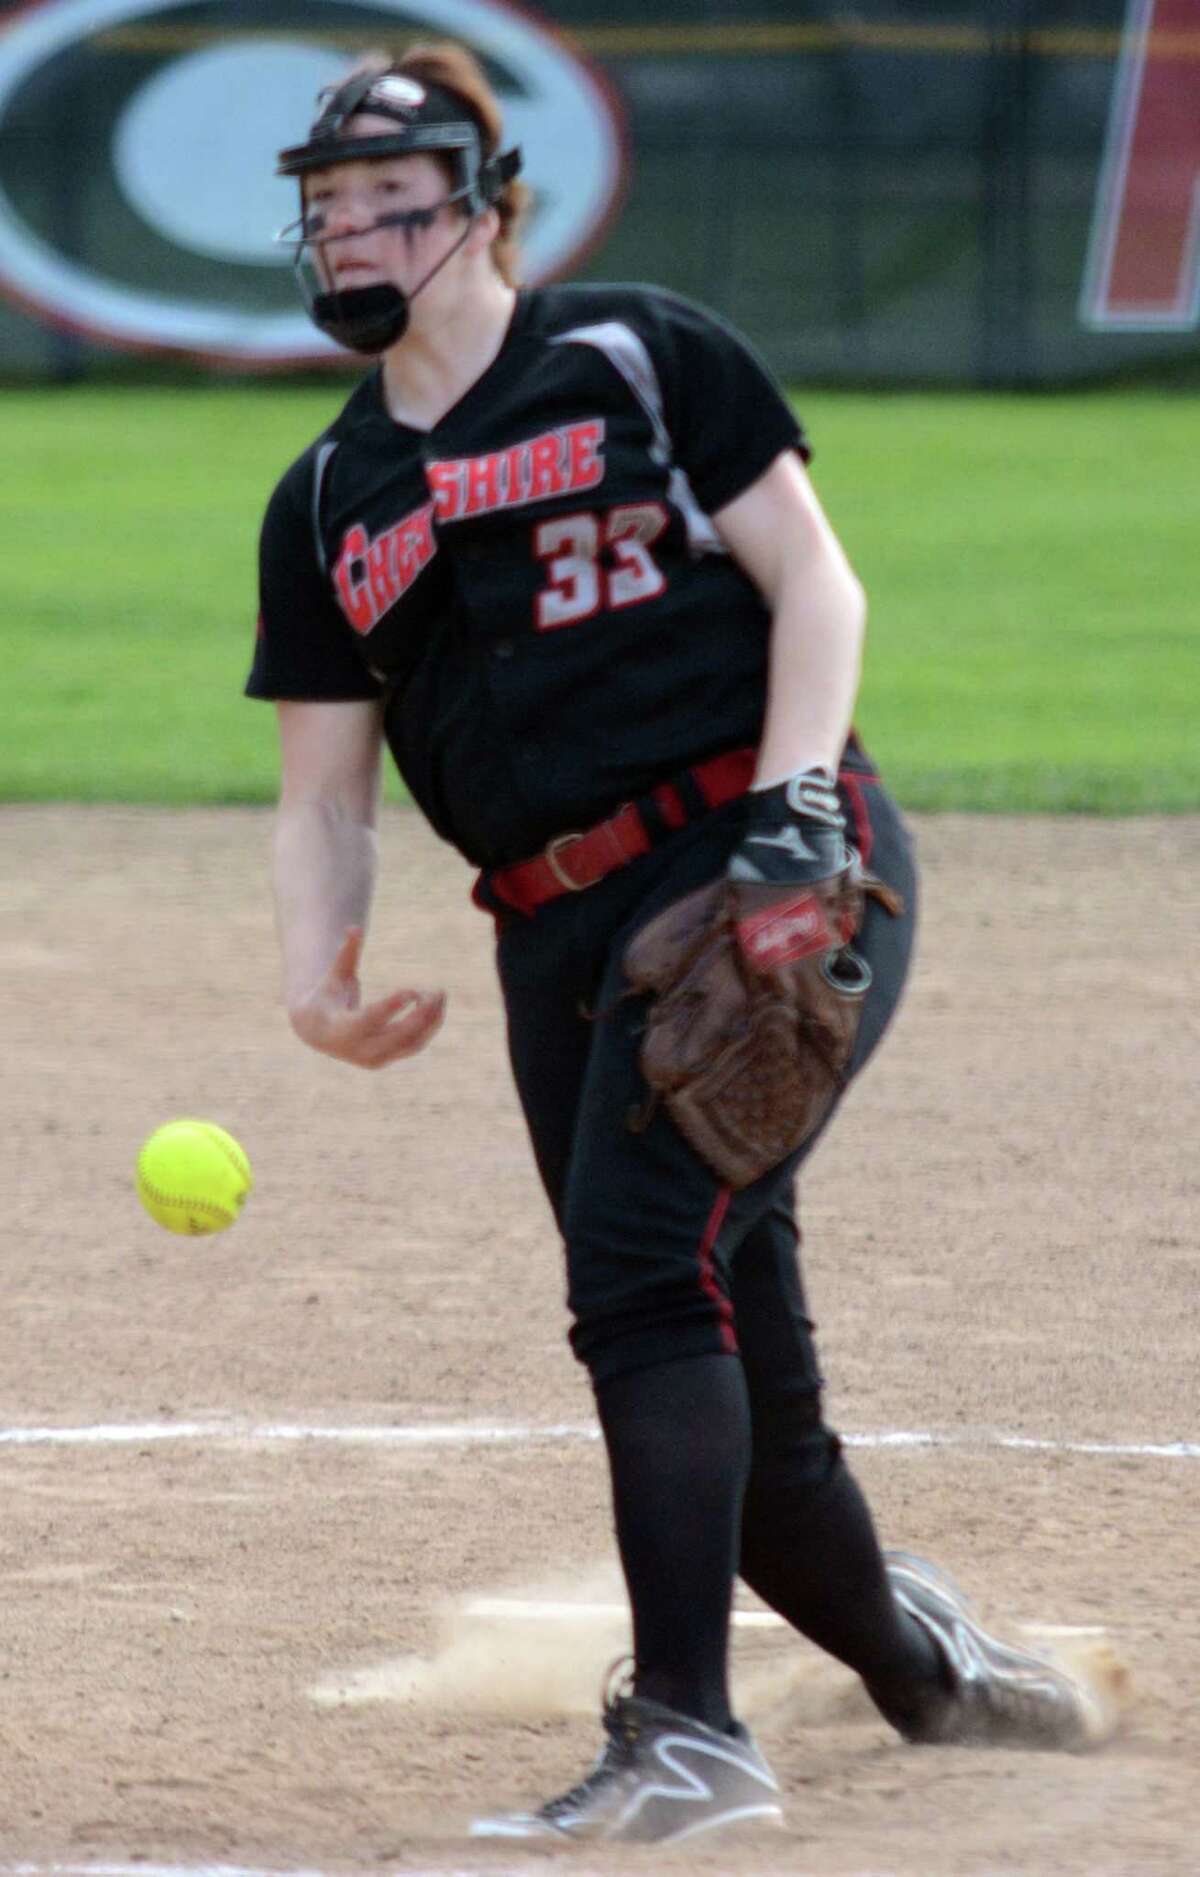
<point>1144,264</point>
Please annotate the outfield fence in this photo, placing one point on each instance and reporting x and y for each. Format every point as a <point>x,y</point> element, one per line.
<point>994,194</point>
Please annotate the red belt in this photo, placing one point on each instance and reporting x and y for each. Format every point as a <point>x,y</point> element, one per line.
<point>572,862</point>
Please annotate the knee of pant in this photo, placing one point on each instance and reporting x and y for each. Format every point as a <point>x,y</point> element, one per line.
<point>790,1433</point>
<point>642,1288</point>
<point>810,1461</point>
<point>617,1341</point>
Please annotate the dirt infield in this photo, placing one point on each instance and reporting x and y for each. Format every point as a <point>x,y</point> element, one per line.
<point>287,1455</point>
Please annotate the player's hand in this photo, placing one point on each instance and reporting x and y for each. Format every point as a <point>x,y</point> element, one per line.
<point>794,833</point>
<point>334,1020</point>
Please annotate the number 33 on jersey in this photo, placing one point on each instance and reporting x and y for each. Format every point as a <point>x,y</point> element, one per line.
<point>372,574</point>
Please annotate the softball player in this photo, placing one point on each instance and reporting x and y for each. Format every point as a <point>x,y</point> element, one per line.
<point>559,556</point>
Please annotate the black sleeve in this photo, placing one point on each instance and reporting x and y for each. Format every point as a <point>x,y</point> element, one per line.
<point>305,649</point>
<point>727,416</point>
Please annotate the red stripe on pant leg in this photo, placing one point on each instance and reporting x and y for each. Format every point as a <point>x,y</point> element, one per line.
<point>708,1270</point>
<point>864,838</point>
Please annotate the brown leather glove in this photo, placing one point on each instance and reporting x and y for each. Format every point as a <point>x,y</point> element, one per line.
<point>756,999</point>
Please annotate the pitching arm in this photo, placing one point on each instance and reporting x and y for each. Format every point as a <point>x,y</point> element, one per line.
<point>778,533</point>
<point>325,856</point>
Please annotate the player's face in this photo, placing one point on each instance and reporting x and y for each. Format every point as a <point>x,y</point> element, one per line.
<point>350,198</point>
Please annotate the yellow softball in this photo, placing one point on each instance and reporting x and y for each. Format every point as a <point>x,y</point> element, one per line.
<point>193,1177</point>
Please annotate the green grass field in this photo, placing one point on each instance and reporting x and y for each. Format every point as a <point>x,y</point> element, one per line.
<point>1033,565</point>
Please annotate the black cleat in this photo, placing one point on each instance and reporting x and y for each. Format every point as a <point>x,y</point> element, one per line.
<point>998,1695</point>
<point>660,1777</point>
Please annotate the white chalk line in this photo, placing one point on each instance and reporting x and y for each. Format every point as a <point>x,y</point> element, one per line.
<point>169,1870</point>
<point>250,1870</point>
<point>484,1434</point>
<point>528,1610</point>
<point>488,1869</point>
<point>420,1434</point>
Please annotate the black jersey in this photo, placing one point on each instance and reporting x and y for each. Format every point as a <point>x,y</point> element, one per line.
<point>534,586</point>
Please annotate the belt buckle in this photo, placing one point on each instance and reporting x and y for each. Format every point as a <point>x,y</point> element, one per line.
<point>552,851</point>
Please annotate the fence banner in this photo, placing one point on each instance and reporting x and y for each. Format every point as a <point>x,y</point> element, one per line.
<point>1000,194</point>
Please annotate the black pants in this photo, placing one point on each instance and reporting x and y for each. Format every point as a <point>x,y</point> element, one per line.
<point>720,1464</point>
<point>662,1260</point>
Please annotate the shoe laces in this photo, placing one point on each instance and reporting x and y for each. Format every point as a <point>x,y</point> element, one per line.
<point>617,1752</point>
<point>616,1755</point>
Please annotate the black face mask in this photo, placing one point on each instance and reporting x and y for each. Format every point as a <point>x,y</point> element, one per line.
<point>370,319</point>
<point>365,319</point>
